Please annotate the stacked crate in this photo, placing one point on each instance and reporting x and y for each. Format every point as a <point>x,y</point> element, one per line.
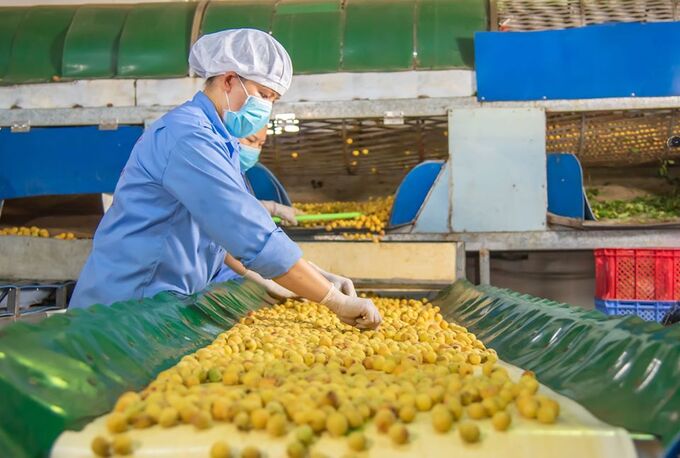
<point>643,282</point>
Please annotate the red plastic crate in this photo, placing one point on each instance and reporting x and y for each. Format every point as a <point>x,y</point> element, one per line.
<point>641,274</point>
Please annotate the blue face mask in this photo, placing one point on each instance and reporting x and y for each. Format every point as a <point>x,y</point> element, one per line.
<point>248,157</point>
<point>253,115</point>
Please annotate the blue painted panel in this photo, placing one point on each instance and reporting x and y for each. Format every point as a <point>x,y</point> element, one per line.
<point>611,60</point>
<point>433,217</point>
<point>565,185</point>
<point>63,160</point>
<point>265,186</point>
<point>412,192</point>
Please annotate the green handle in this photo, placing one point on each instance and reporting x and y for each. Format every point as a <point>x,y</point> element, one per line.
<point>323,217</point>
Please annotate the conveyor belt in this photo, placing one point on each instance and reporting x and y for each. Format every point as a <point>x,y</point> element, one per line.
<point>577,433</point>
<point>69,369</point>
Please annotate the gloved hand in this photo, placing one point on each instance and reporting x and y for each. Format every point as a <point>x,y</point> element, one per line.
<point>286,213</point>
<point>276,292</point>
<point>355,311</point>
<point>344,284</point>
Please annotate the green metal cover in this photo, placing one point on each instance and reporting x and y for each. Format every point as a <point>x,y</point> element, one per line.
<point>233,15</point>
<point>38,45</point>
<point>298,20</point>
<point>10,19</point>
<point>91,45</point>
<point>378,35</point>
<point>155,41</point>
<point>445,30</point>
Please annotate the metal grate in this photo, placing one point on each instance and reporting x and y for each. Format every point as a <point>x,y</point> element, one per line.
<point>356,147</point>
<point>322,148</point>
<point>524,15</point>
<point>614,138</point>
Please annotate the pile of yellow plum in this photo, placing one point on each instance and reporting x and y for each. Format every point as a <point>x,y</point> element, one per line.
<point>375,215</point>
<point>35,231</point>
<point>295,371</point>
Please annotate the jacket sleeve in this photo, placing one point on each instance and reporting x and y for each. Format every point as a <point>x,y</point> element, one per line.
<point>201,178</point>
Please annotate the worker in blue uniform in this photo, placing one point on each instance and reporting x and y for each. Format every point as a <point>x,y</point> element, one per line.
<point>181,202</point>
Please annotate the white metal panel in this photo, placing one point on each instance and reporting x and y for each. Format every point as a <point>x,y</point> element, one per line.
<point>86,93</point>
<point>392,85</point>
<point>434,217</point>
<point>167,92</point>
<point>498,169</point>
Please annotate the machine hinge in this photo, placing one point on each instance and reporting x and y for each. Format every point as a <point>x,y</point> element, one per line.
<point>393,118</point>
<point>108,124</point>
<point>20,126</point>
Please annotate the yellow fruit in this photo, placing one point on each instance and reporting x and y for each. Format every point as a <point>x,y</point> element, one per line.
<point>501,421</point>
<point>476,411</point>
<point>296,449</point>
<point>398,433</point>
<point>121,444</point>
<point>407,413</point>
<point>220,449</point>
<point>336,424</point>
<point>201,420</point>
<point>304,434</point>
<point>423,402</point>
<point>468,431</point>
<point>259,417</point>
<point>546,414</point>
<point>384,419</point>
<point>250,452</point>
<point>357,441</point>
<point>442,420</point>
<point>527,407</point>
<point>276,425</point>
<point>100,446</point>
<point>242,421</point>
<point>116,423</point>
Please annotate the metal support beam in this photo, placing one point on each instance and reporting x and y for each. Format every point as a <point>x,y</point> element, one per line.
<point>13,302</point>
<point>551,240</point>
<point>484,267</point>
<point>435,106</point>
<point>461,273</point>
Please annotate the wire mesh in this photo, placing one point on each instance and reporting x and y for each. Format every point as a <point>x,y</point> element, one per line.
<point>525,15</point>
<point>367,147</point>
<point>614,138</point>
<point>356,147</point>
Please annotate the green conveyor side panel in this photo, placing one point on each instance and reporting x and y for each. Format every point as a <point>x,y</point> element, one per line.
<point>91,45</point>
<point>155,41</point>
<point>227,15</point>
<point>378,35</point>
<point>298,20</point>
<point>38,45</point>
<point>445,30</point>
<point>625,371</point>
<point>10,19</point>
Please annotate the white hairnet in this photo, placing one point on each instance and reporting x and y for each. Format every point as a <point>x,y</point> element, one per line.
<point>252,54</point>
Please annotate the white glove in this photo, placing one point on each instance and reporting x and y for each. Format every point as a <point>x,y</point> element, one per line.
<point>286,213</point>
<point>344,284</point>
<point>355,311</point>
<point>273,289</point>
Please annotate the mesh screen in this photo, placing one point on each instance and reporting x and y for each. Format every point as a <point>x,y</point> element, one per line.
<point>518,15</point>
<point>368,147</point>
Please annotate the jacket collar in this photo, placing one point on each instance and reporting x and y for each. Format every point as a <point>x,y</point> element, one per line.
<point>210,111</point>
